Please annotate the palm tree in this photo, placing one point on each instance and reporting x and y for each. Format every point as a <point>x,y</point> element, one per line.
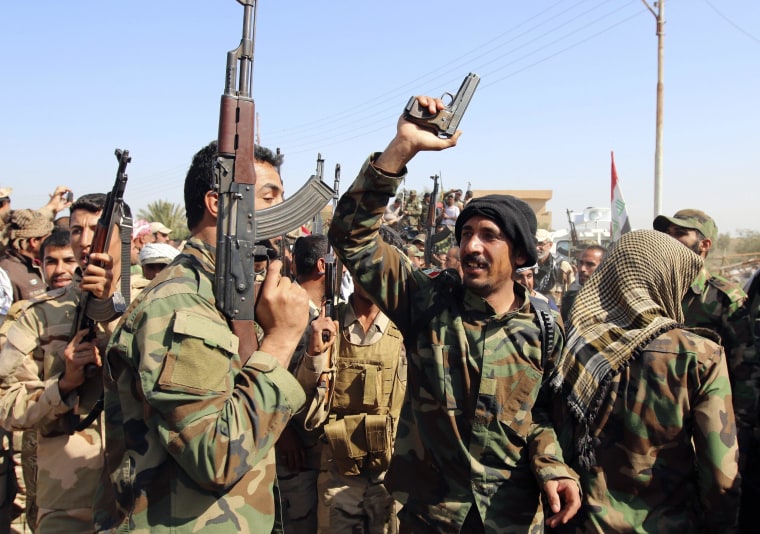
<point>170,215</point>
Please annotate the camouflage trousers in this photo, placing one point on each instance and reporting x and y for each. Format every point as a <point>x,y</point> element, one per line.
<point>355,504</point>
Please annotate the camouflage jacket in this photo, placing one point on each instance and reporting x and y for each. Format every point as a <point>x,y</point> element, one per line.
<point>31,362</point>
<point>413,213</point>
<point>475,435</point>
<point>718,304</point>
<point>191,430</point>
<point>666,459</point>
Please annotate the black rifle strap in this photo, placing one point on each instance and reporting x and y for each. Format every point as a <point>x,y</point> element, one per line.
<point>547,324</point>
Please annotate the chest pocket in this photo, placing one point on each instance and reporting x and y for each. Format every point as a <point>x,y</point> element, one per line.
<point>358,387</point>
<point>514,399</point>
<point>200,356</point>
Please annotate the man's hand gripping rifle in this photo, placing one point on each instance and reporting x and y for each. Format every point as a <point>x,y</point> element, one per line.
<point>113,214</point>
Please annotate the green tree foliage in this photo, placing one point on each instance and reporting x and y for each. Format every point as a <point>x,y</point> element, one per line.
<point>169,214</point>
<point>748,241</point>
<point>723,243</point>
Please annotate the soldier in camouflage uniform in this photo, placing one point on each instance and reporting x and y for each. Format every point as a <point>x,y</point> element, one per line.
<point>654,430</point>
<point>191,423</point>
<point>413,211</point>
<point>715,303</point>
<point>44,386</point>
<point>475,446</point>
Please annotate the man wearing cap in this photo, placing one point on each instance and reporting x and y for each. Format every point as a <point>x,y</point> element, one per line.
<point>475,448</point>
<point>141,235</point>
<point>160,232</point>
<point>45,388</point>
<point>717,304</point>
<point>28,229</point>
<point>555,274</point>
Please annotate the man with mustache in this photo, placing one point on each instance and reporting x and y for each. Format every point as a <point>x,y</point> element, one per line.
<point>475,449</point>
<point>59,264</point>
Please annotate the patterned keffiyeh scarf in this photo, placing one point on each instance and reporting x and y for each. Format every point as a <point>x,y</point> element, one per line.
<point>632,298</point>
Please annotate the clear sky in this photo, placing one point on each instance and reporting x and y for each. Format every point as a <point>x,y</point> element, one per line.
<point>563,83</point>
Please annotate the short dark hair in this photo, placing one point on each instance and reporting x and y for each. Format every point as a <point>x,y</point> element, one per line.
<point>200,178</point>
<point>306,252</point>
<point>92,202</point>
<point>59,238</point>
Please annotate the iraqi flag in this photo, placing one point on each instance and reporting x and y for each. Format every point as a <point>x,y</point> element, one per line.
<point>620,224</point>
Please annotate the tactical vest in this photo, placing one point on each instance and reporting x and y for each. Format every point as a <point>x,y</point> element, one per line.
<point>366,402</point>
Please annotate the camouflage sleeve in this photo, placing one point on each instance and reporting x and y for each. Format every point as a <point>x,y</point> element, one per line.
<point>739,341</point>
<point>715,444</point>
<point>377,266</point>
<point>28,400</point>
<point>217,418</point>
<point>546,455</point>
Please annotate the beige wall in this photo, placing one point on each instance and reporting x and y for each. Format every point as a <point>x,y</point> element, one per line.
<point>536,199</point>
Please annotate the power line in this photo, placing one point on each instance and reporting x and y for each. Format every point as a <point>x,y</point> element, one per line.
<point>732,23</point>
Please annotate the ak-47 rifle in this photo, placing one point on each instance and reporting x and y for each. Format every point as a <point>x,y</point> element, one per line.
<point>333,267</point>
<point>430,224</point>
<point>333,278</point>
<point>113,214</point>
<point>239,228</point>
<point>318,223</point>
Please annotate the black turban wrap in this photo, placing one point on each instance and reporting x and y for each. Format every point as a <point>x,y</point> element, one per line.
<point>514,216</point>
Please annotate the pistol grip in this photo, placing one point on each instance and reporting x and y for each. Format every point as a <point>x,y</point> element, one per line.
<point>438,123</point>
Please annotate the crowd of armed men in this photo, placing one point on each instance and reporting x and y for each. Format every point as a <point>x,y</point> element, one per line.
<point>499,388</point>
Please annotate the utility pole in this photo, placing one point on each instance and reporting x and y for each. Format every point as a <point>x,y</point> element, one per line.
<point>660,17</point>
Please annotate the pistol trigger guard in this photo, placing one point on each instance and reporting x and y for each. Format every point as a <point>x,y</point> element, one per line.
<point>451,99</point>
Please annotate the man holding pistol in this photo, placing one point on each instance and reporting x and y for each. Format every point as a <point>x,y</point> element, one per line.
<point>475,449</point>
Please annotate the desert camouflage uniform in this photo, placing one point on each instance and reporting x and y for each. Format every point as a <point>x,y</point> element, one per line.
<point>677,392</point>
<point>351,491</point>
<point>719,305</point>
<point>191,430</point>
<point>475,441</point>
<point>69,465</point>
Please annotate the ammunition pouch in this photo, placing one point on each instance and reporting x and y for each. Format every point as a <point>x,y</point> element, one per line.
<point>360,442</point>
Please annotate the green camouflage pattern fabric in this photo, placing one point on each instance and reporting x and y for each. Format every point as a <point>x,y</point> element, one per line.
<point>667,455</point>
<point>413,213</point>
<point>191,430</point>
<point>69,466</point>
<point>475,436</point>
<point>719,305</point>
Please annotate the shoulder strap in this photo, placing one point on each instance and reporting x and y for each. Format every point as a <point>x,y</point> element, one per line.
<point>547,324</point>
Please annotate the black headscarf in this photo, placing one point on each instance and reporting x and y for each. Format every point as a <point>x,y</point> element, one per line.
<point>514,216</point>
